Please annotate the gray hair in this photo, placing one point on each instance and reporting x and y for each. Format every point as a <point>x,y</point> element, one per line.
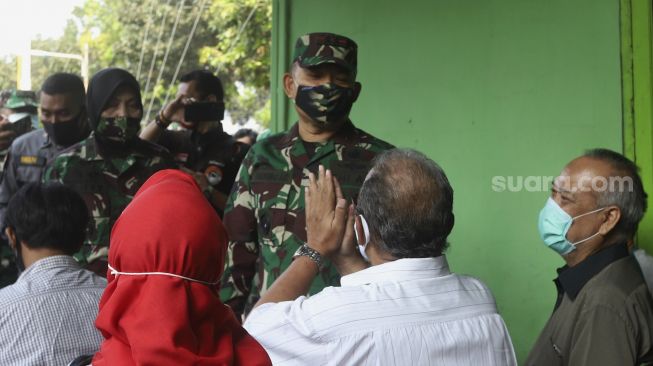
<point>408,203</point>
<point>631,201</point>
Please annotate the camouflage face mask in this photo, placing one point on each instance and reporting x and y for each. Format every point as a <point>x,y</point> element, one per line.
<point>118,129</point>
<point>327,103</point>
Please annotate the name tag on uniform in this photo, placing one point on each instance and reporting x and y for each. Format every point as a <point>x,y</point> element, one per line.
<point>31,160</point>
<point>267,174</point>
<point>350,172</point>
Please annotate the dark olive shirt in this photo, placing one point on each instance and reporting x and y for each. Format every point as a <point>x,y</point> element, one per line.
<point>603,314</point>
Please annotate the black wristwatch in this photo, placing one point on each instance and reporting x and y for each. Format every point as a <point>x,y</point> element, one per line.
<point>312,254</point>
<point>161,121</point>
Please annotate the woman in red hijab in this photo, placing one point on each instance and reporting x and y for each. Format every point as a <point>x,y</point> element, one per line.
<point>161,304</point>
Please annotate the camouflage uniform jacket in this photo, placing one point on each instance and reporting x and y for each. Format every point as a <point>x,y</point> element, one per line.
<point>107,182</point>
<point>265,212</point>
<point>215,154</point>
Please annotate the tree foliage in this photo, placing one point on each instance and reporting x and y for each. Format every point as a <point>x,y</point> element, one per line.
<point>232,38</point>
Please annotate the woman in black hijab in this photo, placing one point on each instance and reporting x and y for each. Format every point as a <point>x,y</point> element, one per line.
<point>109,166</point>
<point>114,106</point>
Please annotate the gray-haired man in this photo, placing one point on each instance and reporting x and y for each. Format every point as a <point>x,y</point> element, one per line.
<point>401,306</point>
<point>604,312</point>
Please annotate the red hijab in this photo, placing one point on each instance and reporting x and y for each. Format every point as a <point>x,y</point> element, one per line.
<point>157,319</point>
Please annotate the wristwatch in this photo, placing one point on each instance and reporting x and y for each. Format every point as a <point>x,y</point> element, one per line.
<point>161,121</point>
<point>312,254</point>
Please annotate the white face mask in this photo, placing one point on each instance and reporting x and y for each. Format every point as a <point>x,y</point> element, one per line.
<point>366,240</point>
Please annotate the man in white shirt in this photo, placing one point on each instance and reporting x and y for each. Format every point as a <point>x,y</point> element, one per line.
<point>401,306</point>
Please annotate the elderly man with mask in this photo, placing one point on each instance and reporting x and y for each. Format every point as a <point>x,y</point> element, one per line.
<point>401,306</point>
<point>63,115</point>
<point>265,213</point>
<point>603,314</point>
<point>109,166</point>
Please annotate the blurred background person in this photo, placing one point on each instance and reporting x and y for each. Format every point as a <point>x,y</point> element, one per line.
<point>63,116</point>
<point>246,136</point>
<point>18,115</point>
<point>201,147</point>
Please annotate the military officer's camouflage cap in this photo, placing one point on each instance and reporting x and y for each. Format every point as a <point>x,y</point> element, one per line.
<point>19,99</point>
<point>314,49</point>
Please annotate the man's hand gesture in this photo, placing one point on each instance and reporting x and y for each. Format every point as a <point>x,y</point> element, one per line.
<point>330,222</point>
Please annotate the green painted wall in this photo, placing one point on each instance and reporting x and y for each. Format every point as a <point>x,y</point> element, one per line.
<point>486,88</point>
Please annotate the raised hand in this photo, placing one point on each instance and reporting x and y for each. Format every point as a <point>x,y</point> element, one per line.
<point>326,213</point>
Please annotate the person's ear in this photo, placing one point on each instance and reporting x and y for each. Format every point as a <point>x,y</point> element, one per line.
<point>289,86</point>
<point>357,90</point>
<point>11,235</point>
<point>612,215</point>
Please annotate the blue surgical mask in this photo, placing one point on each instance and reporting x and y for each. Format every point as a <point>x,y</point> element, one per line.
<point>554,223</point>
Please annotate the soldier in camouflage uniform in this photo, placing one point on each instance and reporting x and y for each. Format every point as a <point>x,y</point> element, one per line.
<point>265,212</point>
<point>109,166</point>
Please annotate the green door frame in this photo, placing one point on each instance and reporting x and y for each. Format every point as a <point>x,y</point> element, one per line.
<point>637,76</point>
<point>280,61</point>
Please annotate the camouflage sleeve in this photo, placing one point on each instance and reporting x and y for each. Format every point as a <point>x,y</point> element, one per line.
<point>243,252</point>
<point>51,171</point>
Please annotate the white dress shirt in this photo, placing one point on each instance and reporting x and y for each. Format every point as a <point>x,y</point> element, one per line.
<point>48,316</point>
<point>411,311</point>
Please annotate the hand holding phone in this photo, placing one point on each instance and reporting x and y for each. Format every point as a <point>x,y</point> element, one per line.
<point>203,111</point>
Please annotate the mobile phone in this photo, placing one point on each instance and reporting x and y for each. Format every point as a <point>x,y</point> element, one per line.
<point>204,111</point>
<point>21,123</point>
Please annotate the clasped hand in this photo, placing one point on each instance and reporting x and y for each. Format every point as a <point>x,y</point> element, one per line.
<point>330,221</point>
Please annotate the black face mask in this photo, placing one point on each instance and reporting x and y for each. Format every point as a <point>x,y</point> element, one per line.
<point>327,104</point>
<point>64,133</point>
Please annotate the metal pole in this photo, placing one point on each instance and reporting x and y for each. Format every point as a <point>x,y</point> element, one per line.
<point>85,64</point>
<point>25,71</point>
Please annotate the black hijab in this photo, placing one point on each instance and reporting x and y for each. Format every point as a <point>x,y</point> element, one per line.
<point>102,87</point>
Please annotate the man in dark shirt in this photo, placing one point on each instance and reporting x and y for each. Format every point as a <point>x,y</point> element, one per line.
<point>202,148</point>
<point>62,111</point>
<point>604,312</point>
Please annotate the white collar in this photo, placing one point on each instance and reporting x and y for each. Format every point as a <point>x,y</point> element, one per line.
<point>399,270</point>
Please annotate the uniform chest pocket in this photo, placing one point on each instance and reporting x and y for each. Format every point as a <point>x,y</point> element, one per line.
<point>29,173</point>
<point>99,226</point>
<point>272,191</point>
